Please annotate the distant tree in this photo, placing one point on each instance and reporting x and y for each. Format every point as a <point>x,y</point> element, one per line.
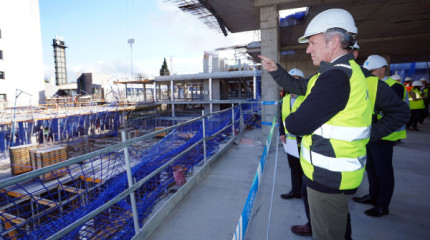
<point>164,71</point>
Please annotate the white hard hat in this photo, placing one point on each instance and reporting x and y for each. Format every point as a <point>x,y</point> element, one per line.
<point>423,79</point>
<point>296,72</point>
<point>374,62</point>
<point>332,18</point>
<point>396,77</point>
<point>417,84</point>
<point>408,79</point>
<point>355,46</point>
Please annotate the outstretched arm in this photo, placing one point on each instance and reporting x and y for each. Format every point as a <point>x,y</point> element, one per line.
<point>283,78</point>
<point>268,64</point>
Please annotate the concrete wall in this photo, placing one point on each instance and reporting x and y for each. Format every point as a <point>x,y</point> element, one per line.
<point>21,43</point>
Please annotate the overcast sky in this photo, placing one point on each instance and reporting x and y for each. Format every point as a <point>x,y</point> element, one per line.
<point>96,33</point>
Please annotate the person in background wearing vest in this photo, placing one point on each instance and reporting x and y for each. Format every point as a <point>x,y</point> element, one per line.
<point>426,97</point>
<point>290,103</point>
<point>334,120</point>
<point>416,103</point>
<point>387,127</point>
<point>408,83</point>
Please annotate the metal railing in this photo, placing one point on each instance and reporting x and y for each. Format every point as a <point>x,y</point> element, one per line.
<point>133,186</point>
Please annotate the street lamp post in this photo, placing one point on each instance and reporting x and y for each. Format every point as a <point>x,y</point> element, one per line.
<point>131,41</point>
<point>14,114</point>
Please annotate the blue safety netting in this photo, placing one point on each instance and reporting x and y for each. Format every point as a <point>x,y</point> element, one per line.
<point>38,208</point>
<point>60,129</point>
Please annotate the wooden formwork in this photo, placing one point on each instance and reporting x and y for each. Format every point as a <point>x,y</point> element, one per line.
<point>42,157</point>
<point>20,158</point>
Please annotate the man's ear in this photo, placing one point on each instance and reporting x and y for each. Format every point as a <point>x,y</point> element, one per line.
<point>334,42</point>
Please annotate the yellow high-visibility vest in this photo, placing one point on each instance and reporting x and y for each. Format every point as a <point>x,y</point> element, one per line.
<point>334,155</point>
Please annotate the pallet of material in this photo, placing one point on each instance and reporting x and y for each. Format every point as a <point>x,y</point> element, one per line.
<point>163,134</point>
<point>42,157</point>
<point>20,158</point>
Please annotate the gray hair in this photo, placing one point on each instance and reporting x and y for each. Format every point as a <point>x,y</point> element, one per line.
<point>346,39</point>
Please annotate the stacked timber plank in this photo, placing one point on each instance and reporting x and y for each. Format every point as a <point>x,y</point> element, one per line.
<point>163,134</point>
<point>45,156</point>
<point>20,158</point>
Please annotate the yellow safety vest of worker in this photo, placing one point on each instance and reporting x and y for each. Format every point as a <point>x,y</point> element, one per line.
<point>425,92</point>
<point>287,109</point>
<point>417,104</point>
<point>334,155</point>
<point>401,132</point>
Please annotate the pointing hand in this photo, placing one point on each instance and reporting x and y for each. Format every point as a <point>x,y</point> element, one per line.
<point>268,63</point>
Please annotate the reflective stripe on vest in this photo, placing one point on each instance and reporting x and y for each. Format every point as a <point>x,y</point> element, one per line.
<point>343,133</point>
<point>335,154</point>
<point>334,164</point>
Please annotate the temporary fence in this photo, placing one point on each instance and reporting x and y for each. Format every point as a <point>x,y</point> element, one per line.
<point>245,216</point>
<point>107,194</point>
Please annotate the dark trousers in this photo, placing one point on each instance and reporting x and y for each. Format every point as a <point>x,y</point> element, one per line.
<point>296,174</point>
<point>380,171</point>
<point>415,117</point>
<point>348,233</point>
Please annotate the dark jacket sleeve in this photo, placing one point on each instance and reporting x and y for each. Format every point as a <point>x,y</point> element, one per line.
<point>395,112</point>
<point>328,96</point>
<point>287,82</point>
<point>398,89</point>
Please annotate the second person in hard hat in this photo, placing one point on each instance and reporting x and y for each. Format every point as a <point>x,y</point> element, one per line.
<point>391,112</point>
<point>290,103</point>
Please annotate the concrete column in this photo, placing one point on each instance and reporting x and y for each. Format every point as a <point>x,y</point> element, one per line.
<point>144,92</point>
<point>172,87</point>
<point>254,88</point>
<point>210,90</point>
<point>155,92</point>
<point>269,25</point>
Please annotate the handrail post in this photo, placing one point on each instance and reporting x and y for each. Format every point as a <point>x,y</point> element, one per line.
<point>242,123</point>
<point>204,136</point>
<point>232,118</point>
<point>130,184</point>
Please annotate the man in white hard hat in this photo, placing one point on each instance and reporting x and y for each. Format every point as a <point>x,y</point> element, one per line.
<point>395,114</point>
<point>334,120</point>
<point>379,165</point>
<point>290,103</point>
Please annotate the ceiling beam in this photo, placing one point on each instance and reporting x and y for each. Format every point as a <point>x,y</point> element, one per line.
<point>286,4</point>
